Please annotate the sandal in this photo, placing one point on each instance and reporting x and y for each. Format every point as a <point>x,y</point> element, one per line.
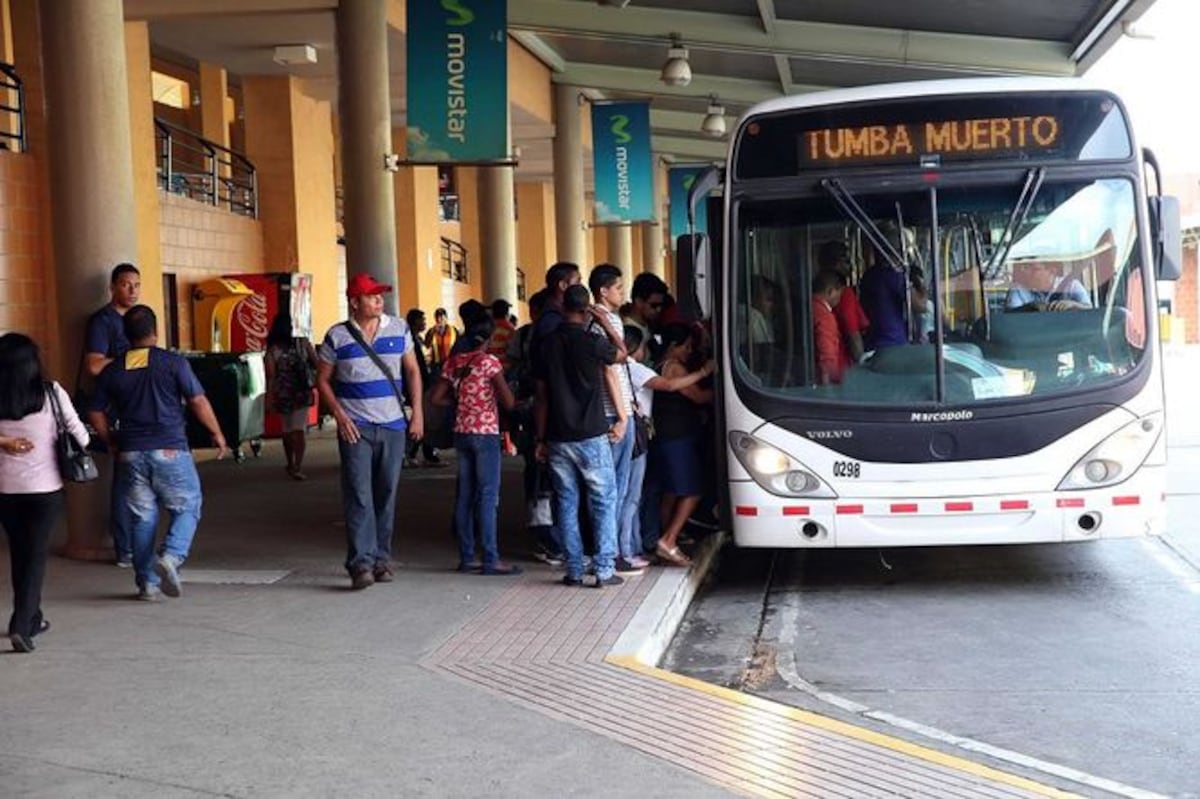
<point>672,555</point>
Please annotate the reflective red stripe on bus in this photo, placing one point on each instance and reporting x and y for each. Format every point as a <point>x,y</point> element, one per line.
<point>959,507</point>
<point>1070,502</point>
<point>1127,500</point>
<point>795,510</point>
<point>1014,504</point>
<point>746,510</point>
<point>844,510</point>
<point>910,507</point>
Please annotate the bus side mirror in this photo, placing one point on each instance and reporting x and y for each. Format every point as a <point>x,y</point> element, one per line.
<point>1166,236</point>
<point>692,265</point>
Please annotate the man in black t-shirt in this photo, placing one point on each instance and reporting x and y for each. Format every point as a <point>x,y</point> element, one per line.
<point>573,433</point>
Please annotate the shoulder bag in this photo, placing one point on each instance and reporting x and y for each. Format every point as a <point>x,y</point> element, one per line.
<point>643,427</point>
<point>75,463</point>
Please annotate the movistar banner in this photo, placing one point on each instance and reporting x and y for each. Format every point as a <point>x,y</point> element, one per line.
<point>457,80</point>
<point>679,183</point>
<point>623,166</point>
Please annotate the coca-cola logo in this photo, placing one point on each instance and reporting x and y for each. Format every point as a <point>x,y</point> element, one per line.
<point>251,315</point>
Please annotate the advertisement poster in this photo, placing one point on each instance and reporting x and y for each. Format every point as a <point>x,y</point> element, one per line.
<point>679,183</point>
<point>457,81</point>
<point>623,164</point>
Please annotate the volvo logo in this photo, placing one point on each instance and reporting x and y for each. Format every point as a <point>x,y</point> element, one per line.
<point>828,434</point>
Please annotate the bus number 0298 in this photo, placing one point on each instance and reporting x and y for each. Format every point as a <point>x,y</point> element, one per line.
<point>847,469</point>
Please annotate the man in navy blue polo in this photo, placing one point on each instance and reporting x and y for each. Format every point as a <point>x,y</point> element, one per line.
<point>104,341</point>
<point>146,390</point>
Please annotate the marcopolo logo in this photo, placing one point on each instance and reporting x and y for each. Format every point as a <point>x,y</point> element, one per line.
<point>462,14</point>
<point>943,416</point>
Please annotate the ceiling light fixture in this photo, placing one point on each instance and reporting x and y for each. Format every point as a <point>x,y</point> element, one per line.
<point>676,71</point>
<point>714,121</point>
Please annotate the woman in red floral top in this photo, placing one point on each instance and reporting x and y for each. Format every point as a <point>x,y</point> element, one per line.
<point>474,381</point>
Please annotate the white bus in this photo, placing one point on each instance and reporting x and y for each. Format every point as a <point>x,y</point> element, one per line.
<point>1003,237</point>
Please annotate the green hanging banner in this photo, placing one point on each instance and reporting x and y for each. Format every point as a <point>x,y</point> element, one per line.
<point>622,163</point>
<point>457,81</point>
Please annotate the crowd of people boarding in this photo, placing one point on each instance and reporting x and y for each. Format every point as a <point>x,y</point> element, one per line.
<point>605,397</point>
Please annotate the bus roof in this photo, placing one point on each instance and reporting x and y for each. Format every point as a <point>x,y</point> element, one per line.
<point>929,88</point>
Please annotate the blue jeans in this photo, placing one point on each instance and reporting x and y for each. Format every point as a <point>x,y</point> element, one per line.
<point>118,519</point>
<point>587,462</point>
<point>629,533</point>
<point>478,496</point>
<point>370,475</point>
<point>147,478</point>
<point>622,455</point>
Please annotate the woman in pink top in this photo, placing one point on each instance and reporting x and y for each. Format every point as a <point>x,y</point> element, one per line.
<point>31,488</point>
<point>475,381</point>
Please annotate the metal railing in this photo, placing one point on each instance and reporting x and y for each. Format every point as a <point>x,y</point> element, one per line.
<point>12,106</point>
<point>195,167</point>
<point>448,208</point>
<point>454,261</point>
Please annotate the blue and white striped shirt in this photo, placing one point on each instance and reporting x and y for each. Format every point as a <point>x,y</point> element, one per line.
<point>358,383</point>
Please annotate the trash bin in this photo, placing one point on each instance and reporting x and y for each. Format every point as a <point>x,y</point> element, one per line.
<point>235,384</point>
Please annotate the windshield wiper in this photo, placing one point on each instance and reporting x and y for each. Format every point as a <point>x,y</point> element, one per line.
<point>850,207</point>
<point>1020,212</point>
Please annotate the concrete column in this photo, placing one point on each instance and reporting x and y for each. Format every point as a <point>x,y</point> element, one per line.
<point>535,234</point>
<point>498,233</point>
<point>364,109</point>
<point>214,89</point>
<point>92,198</point>
<point>652,248</point>
<point>419,256</point>
<point>620,247</point>
<point>569,212</point>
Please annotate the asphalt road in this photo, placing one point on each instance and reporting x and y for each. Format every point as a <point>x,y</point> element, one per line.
<point>1079,660</point>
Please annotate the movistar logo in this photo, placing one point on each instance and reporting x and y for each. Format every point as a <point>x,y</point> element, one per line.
<point>462,15</point>
<point>619,123</point>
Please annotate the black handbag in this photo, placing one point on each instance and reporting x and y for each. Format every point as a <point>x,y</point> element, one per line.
<point>643,427</point>
<point>75,464</point>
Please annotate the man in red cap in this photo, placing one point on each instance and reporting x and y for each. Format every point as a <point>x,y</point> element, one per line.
<point>364,362</point>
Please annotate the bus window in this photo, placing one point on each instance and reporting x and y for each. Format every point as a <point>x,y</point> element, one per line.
<point>1036,297</point>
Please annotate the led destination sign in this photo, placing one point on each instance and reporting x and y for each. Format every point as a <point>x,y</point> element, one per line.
<point>969,137</point>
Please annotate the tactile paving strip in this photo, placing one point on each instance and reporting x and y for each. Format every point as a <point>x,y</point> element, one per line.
<point>544,646</point>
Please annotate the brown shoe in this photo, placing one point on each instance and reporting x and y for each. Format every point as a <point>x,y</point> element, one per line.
<point>384,573</point>
<point>362,578</point>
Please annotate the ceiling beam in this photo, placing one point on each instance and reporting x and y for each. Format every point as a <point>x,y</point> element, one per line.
<point>943,52</point>
<point>692,149</point>
<point>166,9</point>
<point>541,51</point>
<point>646,81</point>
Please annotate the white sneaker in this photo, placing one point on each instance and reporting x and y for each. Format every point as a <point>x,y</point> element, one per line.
<point>167,567</point>
<point>149,593</point>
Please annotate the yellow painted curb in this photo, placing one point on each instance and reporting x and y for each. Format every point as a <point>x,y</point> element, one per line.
<point>840,727</point>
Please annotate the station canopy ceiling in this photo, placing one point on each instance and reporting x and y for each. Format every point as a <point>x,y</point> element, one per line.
<point>739,51</point>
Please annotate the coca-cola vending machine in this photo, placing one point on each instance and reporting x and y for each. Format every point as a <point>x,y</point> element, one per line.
<point>252,318</point>
<point>273,291</point>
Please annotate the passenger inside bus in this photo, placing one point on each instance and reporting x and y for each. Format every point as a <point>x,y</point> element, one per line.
<point>884,293</point>
<point>828,348</point>
<point>853,322</point>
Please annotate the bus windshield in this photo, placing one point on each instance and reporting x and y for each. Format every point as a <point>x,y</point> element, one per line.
<point>1033,287</point>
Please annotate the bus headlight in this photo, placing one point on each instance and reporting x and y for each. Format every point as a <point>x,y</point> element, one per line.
<point>775,470</point>
<point>1117,457</point>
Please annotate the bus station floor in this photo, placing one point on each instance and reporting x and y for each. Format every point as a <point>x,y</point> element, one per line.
<point>269,677</point>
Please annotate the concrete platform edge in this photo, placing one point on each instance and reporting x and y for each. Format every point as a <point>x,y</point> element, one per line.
<point>646,638</point>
